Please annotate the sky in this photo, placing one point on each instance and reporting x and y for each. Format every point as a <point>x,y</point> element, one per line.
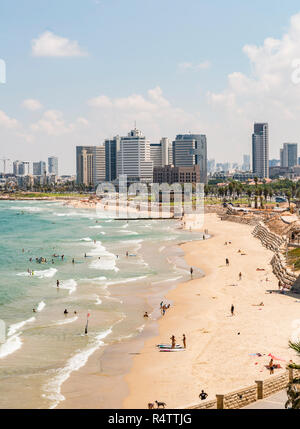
<point>80,71</point>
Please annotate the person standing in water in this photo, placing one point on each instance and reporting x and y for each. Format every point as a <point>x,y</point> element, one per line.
<point>57,283</point>
<point>73,261</point>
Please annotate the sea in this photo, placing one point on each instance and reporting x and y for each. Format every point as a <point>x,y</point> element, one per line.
<point>112,271</point>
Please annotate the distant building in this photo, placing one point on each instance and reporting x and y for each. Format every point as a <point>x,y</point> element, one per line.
<point>22,168</point>
<point>170,174</point>
<point>278,171</point>
<point>53,165</point>
<point>189,150</point>
<point>18,168</point>
<point>274,162</point>
<point>246,163</point>
<point>112,148</point>
<point>211,166</point>
<point>39,168</point>
<point>90,165</point>
<point>289,155</point>
<point>161,154</point>
<point>134,158</point>
<point>260,150</point>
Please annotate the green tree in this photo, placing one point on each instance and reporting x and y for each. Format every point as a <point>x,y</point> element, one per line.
<point>293,391</point>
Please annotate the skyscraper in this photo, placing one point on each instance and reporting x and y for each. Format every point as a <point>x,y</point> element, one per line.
<point>289,155</point>
<point>53,165</point>
<point>189,150</point>
<point>39,168</point>
<point>134,158</point>
<point>161,153</point>
<point>260,150</point>
<point>112,148</point>
<point>90,165</point>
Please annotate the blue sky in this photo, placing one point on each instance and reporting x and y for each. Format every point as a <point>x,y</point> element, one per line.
<point>185,50</point>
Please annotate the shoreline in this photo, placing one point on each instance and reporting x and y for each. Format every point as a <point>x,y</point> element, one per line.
<point>219,347</point>
<point>105,362</point>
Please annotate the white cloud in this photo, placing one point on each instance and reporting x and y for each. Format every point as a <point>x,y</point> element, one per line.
<point>52,123</point>
<point>100,101</point>
<point>134,102</point>
<point>51,45</point>
<point>7,122</point>
<point>32,104</point>
<point>268,93</point>
<point>194,66</point>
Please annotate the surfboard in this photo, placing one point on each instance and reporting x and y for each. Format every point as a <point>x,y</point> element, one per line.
<point>172,350</point>
<point>168,346</point>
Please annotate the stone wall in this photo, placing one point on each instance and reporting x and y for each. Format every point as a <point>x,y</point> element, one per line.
<point>275,384</point>
<point>269,239</point>
<point>286,276</point>
<point>247,220</point>
<point>242,397</point>
<point>277,244</point>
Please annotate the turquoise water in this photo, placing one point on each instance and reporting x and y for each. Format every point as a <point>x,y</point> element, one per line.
<point>43,348</point>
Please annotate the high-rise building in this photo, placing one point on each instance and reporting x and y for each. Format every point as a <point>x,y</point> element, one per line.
<point>53,165</point>
<point>260,150</point>
<point>134,158</point>
<point>39,168</point>
<point>246,163</point>
<point>189,150</point>
<point>112,148</point>
<point>161,153</point>
<point>22,168</point>
<point>18,168</point>
<point>90,165</point>
<point>289,155</point>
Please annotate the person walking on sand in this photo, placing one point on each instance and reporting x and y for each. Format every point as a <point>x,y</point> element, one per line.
<point>240,276</point>
<point>232,310</point>
<point>191,271</point>
<point>173,339</point>
<point>184,341</point>
<point>227,262</point>
<point>271,366</point>
<point>73,261</point>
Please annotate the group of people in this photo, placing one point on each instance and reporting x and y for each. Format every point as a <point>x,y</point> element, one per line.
<point>173,341</point>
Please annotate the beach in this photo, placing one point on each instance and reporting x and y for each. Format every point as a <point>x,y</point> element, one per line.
<point>121,269</point>
<point>221,348</point>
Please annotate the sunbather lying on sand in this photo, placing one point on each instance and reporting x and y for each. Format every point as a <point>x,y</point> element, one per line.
<point>258,305</point>
<point>260,269</point>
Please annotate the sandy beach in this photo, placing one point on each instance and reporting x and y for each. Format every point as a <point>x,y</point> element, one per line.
<point>220,347</point>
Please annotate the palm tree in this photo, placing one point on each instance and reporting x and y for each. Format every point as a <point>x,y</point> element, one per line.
<point>289,196</point>
<point>249,193</point>
<point>293,391</point>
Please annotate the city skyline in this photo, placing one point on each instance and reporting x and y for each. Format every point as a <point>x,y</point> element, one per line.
<point>74,90</point>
